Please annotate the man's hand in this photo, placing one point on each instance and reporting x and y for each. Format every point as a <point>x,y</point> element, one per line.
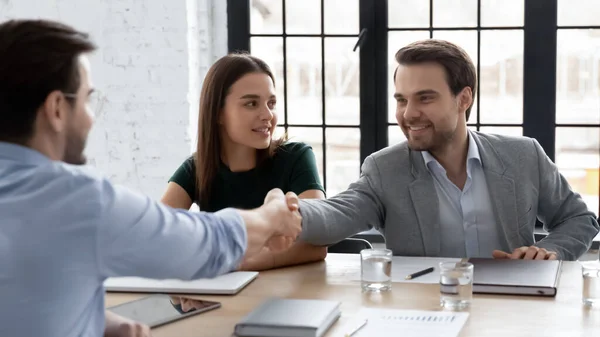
<point>279,243</point>
<point>275,224</point>
<point>526,253</point>
<point>117,326</point>
<point>283,242</point>
<point>282,213</point>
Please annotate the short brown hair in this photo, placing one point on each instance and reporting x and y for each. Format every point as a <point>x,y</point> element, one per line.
<point>460,70</point>
<point>37,57</point>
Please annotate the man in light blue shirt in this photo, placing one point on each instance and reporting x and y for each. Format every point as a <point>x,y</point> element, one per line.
<point>65,228</point>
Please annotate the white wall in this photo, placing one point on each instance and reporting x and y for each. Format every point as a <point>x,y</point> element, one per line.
<point>152,57</point>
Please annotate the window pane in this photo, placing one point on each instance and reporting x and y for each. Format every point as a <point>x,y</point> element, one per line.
<point>502,13</point>
<point>400,17</point>
<point>578,13</point>
<point>312,137</point>
<point>501,78</point>
<point>343,158</point>
<point>466,39</point>
<point>503,130</point>
<point>578,159</point>
<point>304,80</point>
<point>303,17</point>
<point>395,135</point>
<point>397,40</point>
<point>578,76</point>
<point>278,132</point>
<point>454,13</point>
<point>341,17</point>
<point>265,17</point>
<point>270,50</point>
<point>342,93</point>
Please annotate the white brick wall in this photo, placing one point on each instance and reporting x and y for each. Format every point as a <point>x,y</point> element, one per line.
<point>153,55</point>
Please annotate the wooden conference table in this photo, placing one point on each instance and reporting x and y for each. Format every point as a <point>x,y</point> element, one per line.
<point>490,315</point>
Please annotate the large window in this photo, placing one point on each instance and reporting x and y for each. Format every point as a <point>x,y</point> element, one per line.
<point>538,65</point>
<point>577,133</point>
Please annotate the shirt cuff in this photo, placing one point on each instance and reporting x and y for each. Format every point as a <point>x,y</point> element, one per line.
<point>232,216</point>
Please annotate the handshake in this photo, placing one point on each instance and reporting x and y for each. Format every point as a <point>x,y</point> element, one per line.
<point>275,225</point>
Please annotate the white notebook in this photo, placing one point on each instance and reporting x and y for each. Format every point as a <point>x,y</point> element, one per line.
<point>228,284</point>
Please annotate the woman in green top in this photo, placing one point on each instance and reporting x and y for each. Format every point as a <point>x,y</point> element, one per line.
<point>237,161</point>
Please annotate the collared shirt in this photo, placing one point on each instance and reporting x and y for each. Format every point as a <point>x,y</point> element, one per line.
<point>466,216</point>
<point>64,229</point>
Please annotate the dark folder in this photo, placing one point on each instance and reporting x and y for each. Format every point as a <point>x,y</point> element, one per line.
<point>278,317</point>
<point>516,277</point>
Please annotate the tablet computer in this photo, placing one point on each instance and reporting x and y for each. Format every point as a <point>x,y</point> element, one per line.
<point>160,309</point>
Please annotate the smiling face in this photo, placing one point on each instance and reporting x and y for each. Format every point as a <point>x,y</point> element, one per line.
<point>426,110</point>
<point>248,117</point>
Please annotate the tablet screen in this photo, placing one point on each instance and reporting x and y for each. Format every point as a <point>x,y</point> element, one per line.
<point>155,310</point>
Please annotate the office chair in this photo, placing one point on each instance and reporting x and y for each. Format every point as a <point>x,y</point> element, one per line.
<point>349,246</point>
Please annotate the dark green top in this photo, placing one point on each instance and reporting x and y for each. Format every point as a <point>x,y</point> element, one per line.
<point>292,168</point>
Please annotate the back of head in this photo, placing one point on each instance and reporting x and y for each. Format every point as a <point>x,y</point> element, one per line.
<point>459,68</point>
<point>37,57</point>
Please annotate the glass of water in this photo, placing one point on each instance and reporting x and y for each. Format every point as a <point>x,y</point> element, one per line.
<point>376,270</point>
<point>456,285</point>
<point>591,282</point>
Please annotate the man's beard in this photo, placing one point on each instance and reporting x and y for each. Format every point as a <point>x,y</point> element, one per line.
<point>74,152</point>
<point>438,141</point>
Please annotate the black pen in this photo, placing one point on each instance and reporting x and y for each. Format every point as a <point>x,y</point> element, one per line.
<point>419,273</point>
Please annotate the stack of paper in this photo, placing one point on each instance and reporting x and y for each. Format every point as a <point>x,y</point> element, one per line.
<point>405,323</point>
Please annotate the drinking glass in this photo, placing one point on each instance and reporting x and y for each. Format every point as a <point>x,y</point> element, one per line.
<point>376,270</point>
<point>456,284</point>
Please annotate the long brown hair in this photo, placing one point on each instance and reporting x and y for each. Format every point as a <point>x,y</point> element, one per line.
<point>219,79</point>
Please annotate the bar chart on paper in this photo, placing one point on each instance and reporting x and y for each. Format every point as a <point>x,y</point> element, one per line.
<point>411,323</point>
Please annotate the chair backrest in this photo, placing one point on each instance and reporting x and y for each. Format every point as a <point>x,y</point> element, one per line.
<point>350,246</point>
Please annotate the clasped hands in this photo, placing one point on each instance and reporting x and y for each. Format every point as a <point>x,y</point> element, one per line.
<point>283,216</point>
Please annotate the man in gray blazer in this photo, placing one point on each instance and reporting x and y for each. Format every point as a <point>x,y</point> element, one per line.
<point>448,191</point>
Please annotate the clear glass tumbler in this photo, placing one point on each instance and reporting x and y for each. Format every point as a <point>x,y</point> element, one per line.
<point>456,284</point>
<point>590,271</point>
<point>376,270</point>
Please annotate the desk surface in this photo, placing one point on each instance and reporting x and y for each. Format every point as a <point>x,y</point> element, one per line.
<point>490,315</point>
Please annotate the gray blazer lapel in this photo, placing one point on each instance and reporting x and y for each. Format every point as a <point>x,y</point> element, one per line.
<point>425,201</point>
<point>502,190</point>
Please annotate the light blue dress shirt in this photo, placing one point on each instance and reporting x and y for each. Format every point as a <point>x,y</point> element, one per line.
<point>64,229</point>
<point>466,216</point>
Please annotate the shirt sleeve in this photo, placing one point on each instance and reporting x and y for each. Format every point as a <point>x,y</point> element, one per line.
<point>357,209</point>
<point>140,237</point>
<point>304,174</point>
<point>185,176</point>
